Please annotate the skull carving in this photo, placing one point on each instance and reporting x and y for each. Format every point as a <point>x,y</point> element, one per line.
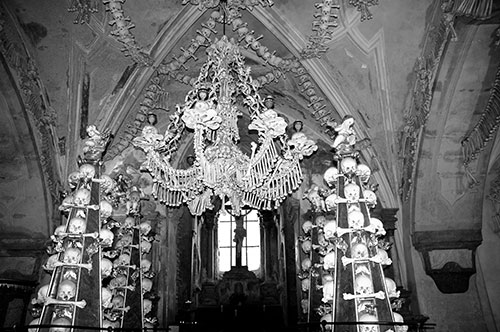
<point>330,176</point>
<point>145,227</point>
<point>352,192</point>
<point>391,287</point>
<point>118,301</point>
<point>306,246</point>
<point>66,290</point>
<point>355,219</point>
<point>77,225</point>
<point>105,209</point>
<point>329,261</point>
<point>106,267</point>
<point>82,197</point>
<point>145,246</point>
<point>348,166</point>
<point>305,264</point>
<point>328,287</point>
<point>363,284</point>
<point>359,250</point>
<point>307,226</point>
<point>366,317</point>
<point>87,171</point>
<point>72,256</point>
<point>106,236</point>
<point>147,305</point>
<point>370,197</point>
<point>146,285</point>
<point>305,284</point>
<point>363,172</point>
<point>106,296</point>
<point>145,265</point>
<point>122,260</point>
<point>328,318</point>
<point>330,229</point>
<point>63,322</point>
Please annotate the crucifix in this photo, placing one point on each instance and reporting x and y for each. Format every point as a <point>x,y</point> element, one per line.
<point>239,234</point>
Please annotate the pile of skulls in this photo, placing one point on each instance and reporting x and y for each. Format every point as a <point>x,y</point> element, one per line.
<point>341,234</point>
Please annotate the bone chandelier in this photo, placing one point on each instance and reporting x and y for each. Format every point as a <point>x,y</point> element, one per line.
<point>220,168</point>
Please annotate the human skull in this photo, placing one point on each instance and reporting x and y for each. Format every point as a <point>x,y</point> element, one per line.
<point>106,267</point>
<point>74,179</point>
<point>329,261</point>
<point>106,236</point>
<point>72,256</point>
<point>145,246</point>
<point>105,209</point>
<point>66,290</point>
<point>146,285</point>
<point>125,240</point>
<point>307,226</point>
<point>145,227</point>
<point>348,166</point>
<point>330,176</point>
<point>122,260</point>
<point>35,321</point>
<point>60,230</point>
<point>390,286</point>
<point>330,229</point>
<point>384,257</point>
<point>359,250</point>
<point>304,304</point>
<point>82,197</point>
<point>305,284</point>
<point>49,265</point>
<point>363,172</point>
<point>106,323</point>
<point>106,296</point>
<point>328,289</point>
<point>366,317</point>
<point>399,319</point>
<point>107,183</point>
<point>118,281</point>
<point>87,171</point>
<point>320,221</point>
<point>371,198</point>
<point>355,219</point>
<point>118,301</point>
<point>331,202</point>
<point>63,322</point>
<point>377,226</point>
<point>352,192</point>
<point>147,305</point>
<point>306,246</point>
<point>363,284</point>
<point>306,264</point>
<point>77,225</point>
<point>42,294</point>
<point>128,222</point>
<point>328,318</point>
<point>145,265</point>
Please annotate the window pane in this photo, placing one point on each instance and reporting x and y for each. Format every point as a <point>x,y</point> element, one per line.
<point>253,234</point>
<point>253,258</point>
<point>224,263</point>
<point>225,236</point>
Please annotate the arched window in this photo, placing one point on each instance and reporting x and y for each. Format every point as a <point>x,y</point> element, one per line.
<point>247,228</point>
